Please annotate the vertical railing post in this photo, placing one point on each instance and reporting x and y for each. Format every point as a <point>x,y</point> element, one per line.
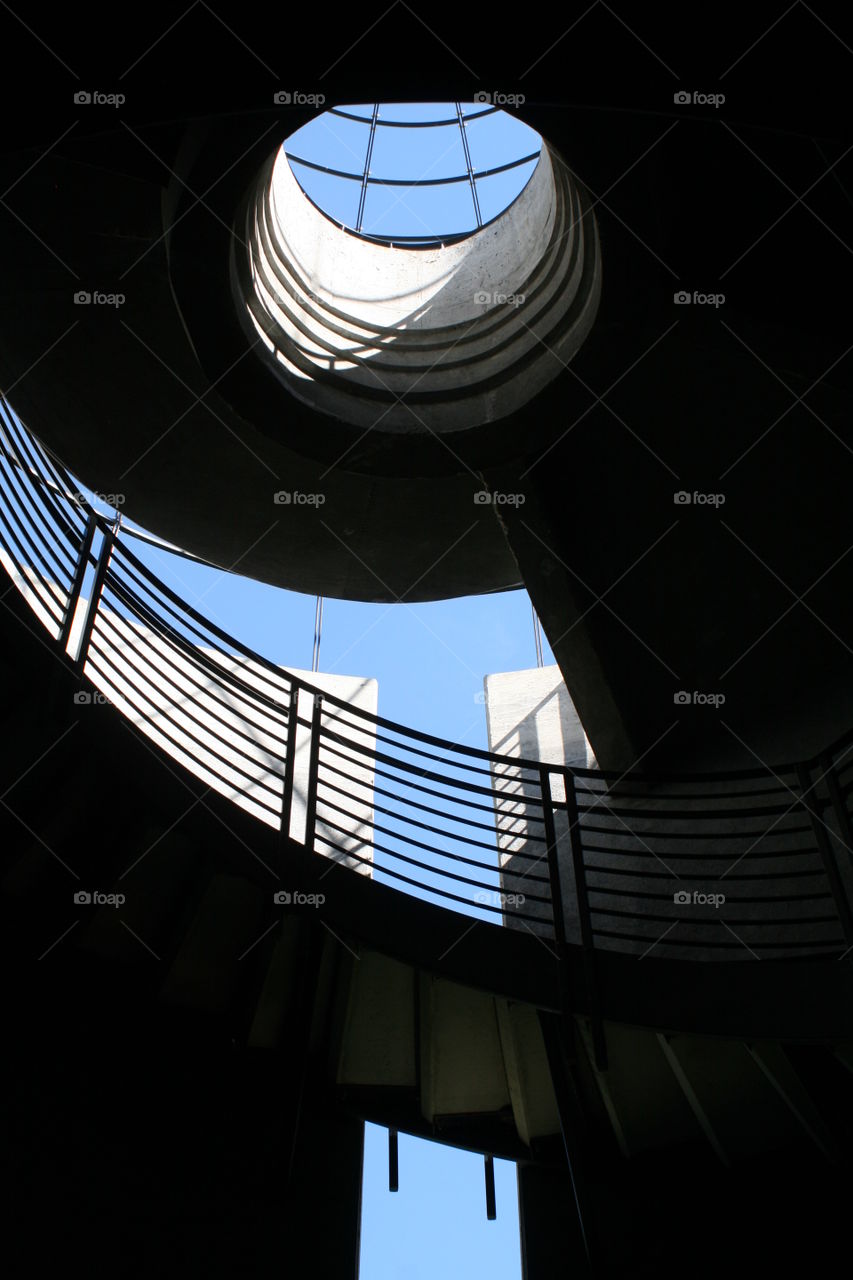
<point>585,921</point>
<point>825,850</point>
<point>78,579</point>
<point>393,1162</point>
<point>313,772</point>
<point>553,860</point>
<point>289,761</point>
<point>491,1203</point>
<point>95,599</point>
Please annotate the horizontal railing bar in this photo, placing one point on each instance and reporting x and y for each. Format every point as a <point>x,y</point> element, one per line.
<point>491,809</point>
<point>414,804</point>
<point>688,878</point>
<point>724,855</point>
<point>425,866</point>
<point>688,815</point>
<point>439,893</point>
<point>186,697</point>
<point>49,602</point>
<point>640,895</point>
<point>59,550</point>
<point>155,716</point>
<point>52,488</point>
<point>157,623</point>
<point>224,680</point>
<point>457,783</point>
<point>442,853</point>
<point>50,582</point>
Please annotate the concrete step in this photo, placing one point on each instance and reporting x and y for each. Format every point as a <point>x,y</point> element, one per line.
<point>462,1063</point>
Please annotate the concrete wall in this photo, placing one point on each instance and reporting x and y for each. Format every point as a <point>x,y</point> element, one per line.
<point>530,715</point>
<point>683,869</point>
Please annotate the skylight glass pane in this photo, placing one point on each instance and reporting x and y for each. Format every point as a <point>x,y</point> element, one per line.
<point>408,148</point>
<point>498,192</point>
<point>430,153</point>
<point>431,212</point>
<point>337,197</point>
<point>331,141</point>
<point>499,138</point>
<point>417,112</point>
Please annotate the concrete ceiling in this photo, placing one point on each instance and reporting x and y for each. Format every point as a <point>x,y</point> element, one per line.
<point>751,399</point>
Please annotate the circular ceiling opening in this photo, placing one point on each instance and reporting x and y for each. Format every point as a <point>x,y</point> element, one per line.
<point>413,174</point>
<point>416,268</point>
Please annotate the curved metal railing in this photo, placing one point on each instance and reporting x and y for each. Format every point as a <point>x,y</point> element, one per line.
<point>754,863</point>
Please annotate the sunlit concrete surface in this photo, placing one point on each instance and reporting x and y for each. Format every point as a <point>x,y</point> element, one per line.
<point>466,331</point>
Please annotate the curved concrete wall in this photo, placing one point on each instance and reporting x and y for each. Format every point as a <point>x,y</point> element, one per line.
<point>465,333</point>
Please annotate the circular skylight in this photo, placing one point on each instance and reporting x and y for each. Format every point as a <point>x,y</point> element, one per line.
<point>413,173</point>
<point>416,269</point>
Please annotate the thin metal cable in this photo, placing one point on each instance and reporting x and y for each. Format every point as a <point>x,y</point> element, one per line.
<point>537,637</point>
<point>318,631</point>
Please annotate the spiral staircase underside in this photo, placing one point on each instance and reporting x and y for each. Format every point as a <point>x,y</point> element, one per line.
<point>177,1099</point>
<point>427,1032</point>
